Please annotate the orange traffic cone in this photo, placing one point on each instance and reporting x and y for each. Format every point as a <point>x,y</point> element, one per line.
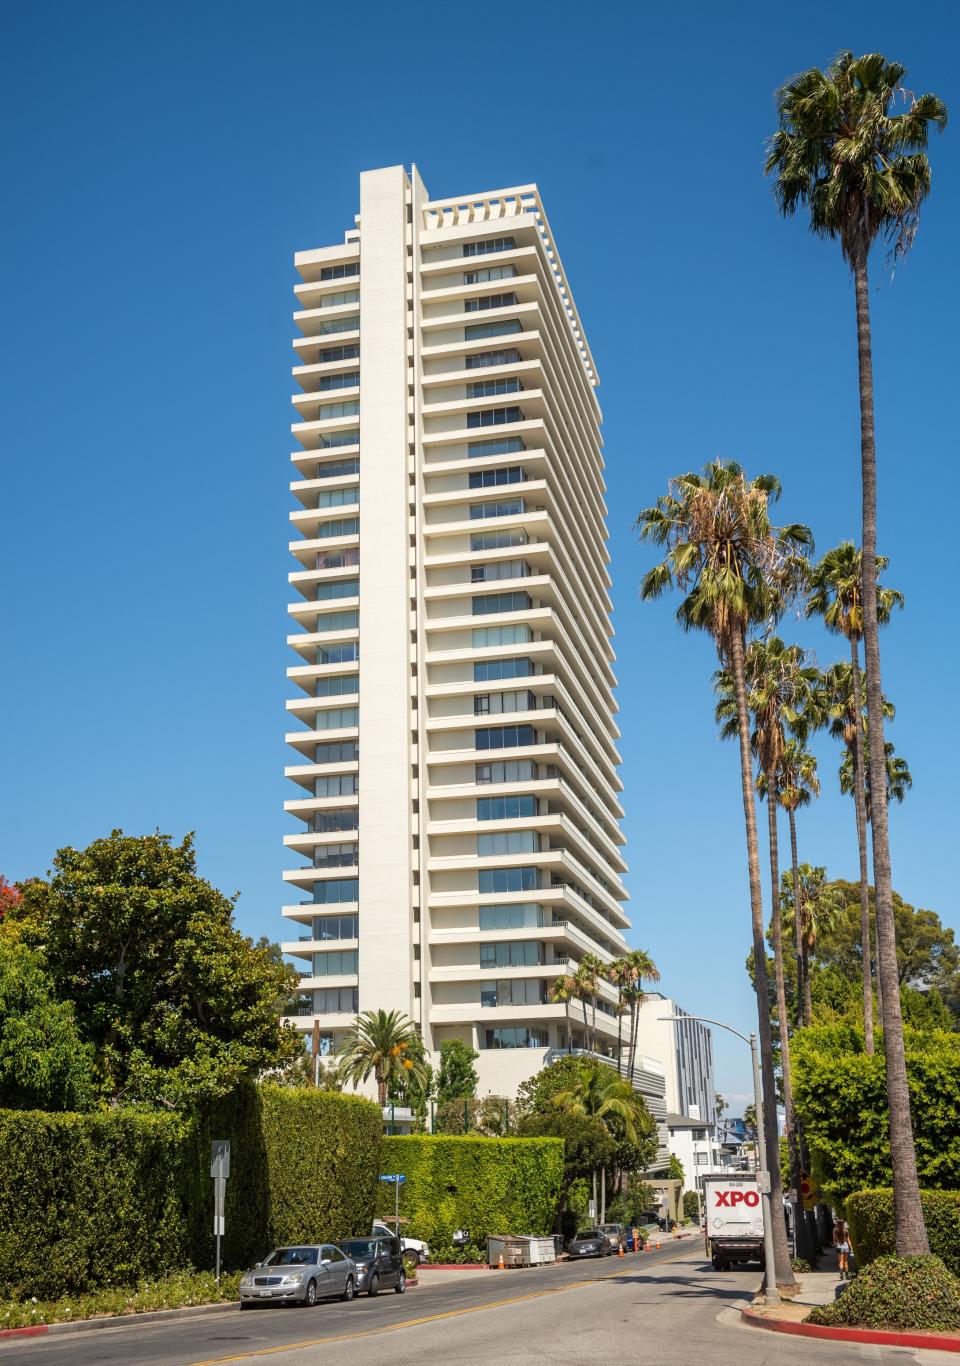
<point>500,1263</point>
<point>657,1245</point>
<point>621,1252</point>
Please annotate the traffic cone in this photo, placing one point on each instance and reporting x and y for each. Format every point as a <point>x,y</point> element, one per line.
<point>620,1251</point>
<point>500,1263</point>
<point>657,1245</point>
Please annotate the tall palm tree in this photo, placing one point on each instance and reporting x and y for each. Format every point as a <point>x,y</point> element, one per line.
<point>735,569</point>
<point>380,1043</point>
<point>621,977</point>
<point>861,169</point>
<point>644,969</point>
<point>842,711</point>
<point>590,972</point>
<point>598,1093</point>
<point>836,595</point>
<point>821,909</point>
<point>562,993</point>
<point>799,784</point>
<point>899,777</point>
<point>780,684</point>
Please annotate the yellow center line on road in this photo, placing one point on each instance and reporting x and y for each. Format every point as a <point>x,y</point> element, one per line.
<point>426,1318</point>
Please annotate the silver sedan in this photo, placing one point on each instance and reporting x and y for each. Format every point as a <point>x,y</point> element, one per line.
<point>300,1274</point>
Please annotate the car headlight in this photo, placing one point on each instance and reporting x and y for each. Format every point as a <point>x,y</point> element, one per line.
<point>293,1280</point>
<point>362,1270</point>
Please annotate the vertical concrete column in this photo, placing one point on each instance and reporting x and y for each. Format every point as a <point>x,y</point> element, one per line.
<point>385,720</point>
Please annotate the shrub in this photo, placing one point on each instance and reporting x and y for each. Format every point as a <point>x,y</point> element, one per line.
<point>177,1291</point>
<point>484,1185</point>
<point>691,1205</point>
<point>903,1293</point>
<point>870,1216</point>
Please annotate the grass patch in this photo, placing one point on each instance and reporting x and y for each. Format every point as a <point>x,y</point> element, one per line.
<point>906,1293</point>
<point>179,1290</point>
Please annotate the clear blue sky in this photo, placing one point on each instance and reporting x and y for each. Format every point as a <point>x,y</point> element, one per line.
<point>163,164</point>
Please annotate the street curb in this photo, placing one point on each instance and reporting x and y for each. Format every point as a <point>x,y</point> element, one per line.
<point>113,1320</point>
<point>453,1266</point>
<point>941,1342</point>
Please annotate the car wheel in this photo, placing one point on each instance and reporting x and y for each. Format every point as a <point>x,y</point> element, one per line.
<point>348,1289</point>
<point>310,1294</point>
<point>374,1287</point>
<point>401,1284</point>
<point>413,1255</point>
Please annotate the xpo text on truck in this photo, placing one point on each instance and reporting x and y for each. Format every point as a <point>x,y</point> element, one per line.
<point>734,1219</point>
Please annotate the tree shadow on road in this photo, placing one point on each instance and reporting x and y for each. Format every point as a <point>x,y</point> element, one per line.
<point>687,1289</point>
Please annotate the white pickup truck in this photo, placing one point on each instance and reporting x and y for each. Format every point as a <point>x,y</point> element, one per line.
<point>734,1219</point>
<point>416,1247</point>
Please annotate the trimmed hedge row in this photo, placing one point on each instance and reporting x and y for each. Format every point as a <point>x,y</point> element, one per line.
<point>485,1185</point>
<point>94,1200</point>
<point>870,1216</point>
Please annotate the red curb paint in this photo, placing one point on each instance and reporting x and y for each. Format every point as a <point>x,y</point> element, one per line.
<point>36,1330</point>
<point>942,1342</point>
<point>454,1266</point>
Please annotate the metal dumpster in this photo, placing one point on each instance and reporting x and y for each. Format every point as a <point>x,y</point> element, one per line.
<point>520,1249</point>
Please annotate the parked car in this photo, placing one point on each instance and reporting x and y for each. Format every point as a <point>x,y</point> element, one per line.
<point>299,1275</point>
<point>650,1216</point>
<point>379,1264</point>
<point>618,1235</point>
<point>413,1247</point>
<point>593,1242</point>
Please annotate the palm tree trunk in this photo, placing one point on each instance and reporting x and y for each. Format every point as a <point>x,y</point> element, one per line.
<point>797,922</point>
<point>586,1027</point>
<point>911,1233</point>
<point>807,991</point>
<point>860,805</point>
<point>593,1031</point>
<point>603,1195</point>
<point>634,1031</point>
<point>620,1034</point>
<point>784,1023</point>
<point>784,1271</point>
<point>806,1244</point>
<point>566,1006</point>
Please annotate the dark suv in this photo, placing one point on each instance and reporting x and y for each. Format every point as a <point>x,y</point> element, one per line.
<point>378,1262</point>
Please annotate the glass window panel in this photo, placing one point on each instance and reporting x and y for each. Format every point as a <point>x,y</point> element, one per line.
<point>488,245</point>
<point>506,356</point>
<point>501,328</point>
<point>495,445</point>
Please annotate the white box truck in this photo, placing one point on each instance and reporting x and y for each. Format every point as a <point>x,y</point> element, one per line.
<point>734,1219</point>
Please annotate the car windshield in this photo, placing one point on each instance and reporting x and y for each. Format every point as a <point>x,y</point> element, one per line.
<point>590,1233</point>
<point>359,1247</point>
<point>292,1256</point>
<point>609,1228</point>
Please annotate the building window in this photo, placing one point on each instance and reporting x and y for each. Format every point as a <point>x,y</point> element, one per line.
<point>515,633</point>
<point>327,822</point>
<point>337,718</point>
<point>337,686</point>
<point>337,752</point>
<point>491,670</point>
<point>524,954</point>
<point>348,408</point>
<point>506,992</point>
<point>338,588</point>
<point>499,737</point>
<point>346,379</point>
<point>520,1037</point>
<point>336,785</point>
<point>506,771</point>
<point>495,445</point>
<point>513,917</point>
<point>338,468</point>
<point>488,273</point>
<point>345,652</point>
<point>501,328</point>
<point>509,356</point>
<point>494,417</point>
<point>333,927</point>
<point>338,559</point>
<point>339,963</point>
<point>339,272</point>
<point>348,352</point>
<point>336,1001</point>
<point>509,880</point>
<point>487,245</point>
<point>329,325</point>
<point>335,891</point>
<point>498,703</point>
<point>336,856</point>
<point>344,296</point>
<point>496,540</point>
<point>338,498</point>
<point>339,526</point>
<point>506,808</point>
<point>500,602</point>
<point>486,479</point>
<point>328,440</point>
<point>488,387</point>
<point>508,842</point>
<point>499,569</point>
<point>338,621</point>
<point>503,507</point>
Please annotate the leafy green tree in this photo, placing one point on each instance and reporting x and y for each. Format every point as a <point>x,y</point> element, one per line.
<point>177,1003</point>
<point>414,1087</point>
<point>675,1169</point>
<point>44,1063</point>
<point>862,171</point>
<point>736,570</point>
<point>458,1077</point>
<point>821,906</point>
<point>380,1043</point>
<point>836,595</point>
<point>587,1144</point>
<point>597,1092</point>
<point>304,1072</point>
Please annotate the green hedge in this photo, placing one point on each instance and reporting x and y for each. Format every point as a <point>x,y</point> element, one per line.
<point>92,1200</point>
<point>86,1200</point>
<point>870,1216</point>
<point>485,1185</point>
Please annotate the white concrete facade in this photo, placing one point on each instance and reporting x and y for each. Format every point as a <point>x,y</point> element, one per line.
<point>686,1050</point>
<point>458,840</point>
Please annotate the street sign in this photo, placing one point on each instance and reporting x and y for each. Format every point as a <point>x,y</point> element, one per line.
<point>397,1179</point>
<point>808,1193</point>
<point>220,1157</point>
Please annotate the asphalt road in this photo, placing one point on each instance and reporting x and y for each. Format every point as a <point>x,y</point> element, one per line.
<point>664,1307</point>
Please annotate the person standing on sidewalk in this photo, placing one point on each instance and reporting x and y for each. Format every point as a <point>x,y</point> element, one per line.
<point>841,1241</point>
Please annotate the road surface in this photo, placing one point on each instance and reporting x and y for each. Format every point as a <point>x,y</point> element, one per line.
<point>665,1308</point>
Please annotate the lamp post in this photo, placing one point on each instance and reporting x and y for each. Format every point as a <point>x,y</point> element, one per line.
<point>763,1174</point>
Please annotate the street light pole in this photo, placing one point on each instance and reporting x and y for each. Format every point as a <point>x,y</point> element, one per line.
<point>763,1174</point>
